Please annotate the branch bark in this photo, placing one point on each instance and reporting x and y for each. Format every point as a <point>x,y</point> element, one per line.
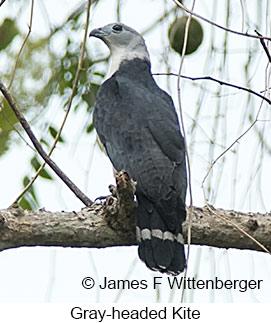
<point>111,223</point>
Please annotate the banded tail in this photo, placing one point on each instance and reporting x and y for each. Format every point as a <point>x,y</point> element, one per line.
<point>161,245</point>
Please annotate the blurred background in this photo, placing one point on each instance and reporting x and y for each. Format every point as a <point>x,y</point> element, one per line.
<point>40,77</point>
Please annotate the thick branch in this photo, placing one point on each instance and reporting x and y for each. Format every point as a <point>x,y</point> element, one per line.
<point>111,224</point>
<point>100,225</point>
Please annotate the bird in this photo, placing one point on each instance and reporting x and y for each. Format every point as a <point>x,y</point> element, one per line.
<point>137,123</point>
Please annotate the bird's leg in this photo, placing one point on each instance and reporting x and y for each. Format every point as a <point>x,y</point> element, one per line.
<point>112,189</point>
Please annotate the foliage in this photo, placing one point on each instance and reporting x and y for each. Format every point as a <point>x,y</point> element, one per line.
<point>44,70</point>
<point>7,124</point>
<point>8,31</point>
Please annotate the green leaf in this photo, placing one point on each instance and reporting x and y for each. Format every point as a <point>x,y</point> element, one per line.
<point>45,174</point>
<point>90,128</point>
<point>90,96</point>
<point>7,123</point>
<point>36,164</point>
<point>31,189</point>
<point>4,140</point>
<point>25,204</point>
<point>102,75</point>
<point>53,133</point>
<point>43,141</point>
<point>8,31</point>
<point>26,180</point>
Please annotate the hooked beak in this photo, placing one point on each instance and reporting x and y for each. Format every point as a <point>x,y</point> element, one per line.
<point>99,33</point>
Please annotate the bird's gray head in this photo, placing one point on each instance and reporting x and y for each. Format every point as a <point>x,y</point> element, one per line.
<point>124,43</point>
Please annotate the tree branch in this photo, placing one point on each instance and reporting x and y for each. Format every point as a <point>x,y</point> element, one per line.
<point>75,82</point>
<point>180,5</point>
<point>2,2</point>
<point>100,225</point>
<point>210,78</point>
<point>23,45</point>
<point>111,223</point>
<point>39,148</point>
<point>264,46</point>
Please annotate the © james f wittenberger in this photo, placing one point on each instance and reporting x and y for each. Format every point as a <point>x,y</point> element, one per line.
<point>241,285</point>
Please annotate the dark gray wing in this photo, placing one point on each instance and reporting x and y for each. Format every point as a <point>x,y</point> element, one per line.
<point>138,126</point>
<point>164,126</point>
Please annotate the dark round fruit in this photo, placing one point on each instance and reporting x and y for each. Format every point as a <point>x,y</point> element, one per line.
<point>176,35</point>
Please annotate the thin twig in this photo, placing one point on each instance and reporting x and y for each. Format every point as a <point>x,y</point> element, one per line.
<point>79,68</point>
<point>13,127</point>
<point>216,160</point>
<point>243,14</point>
<point>22,47</point>
<point>229,148</point>
<point>218,26</point>
<point>264,46</point>
<point>238,228</point>
<point>256,119</point>
<point>185,144</point>
<point>118,10</point>
<point>210,78</point>
<point>39,148</point>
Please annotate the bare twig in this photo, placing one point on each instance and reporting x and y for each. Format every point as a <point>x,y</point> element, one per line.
<point>22,47</point>
<point>243,14</point>
<point>210,78</point>
<point>229,148</point>
<point>39,148</point>
<point>79,68</point>
<point>260,245</point>
<point>217,25</point>
<point>264,45</point>
<point>210,209</point>
<point>118,10</point>
<point>190,214</point>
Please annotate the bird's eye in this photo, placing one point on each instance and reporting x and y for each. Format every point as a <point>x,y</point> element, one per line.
<point>117,28</point>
